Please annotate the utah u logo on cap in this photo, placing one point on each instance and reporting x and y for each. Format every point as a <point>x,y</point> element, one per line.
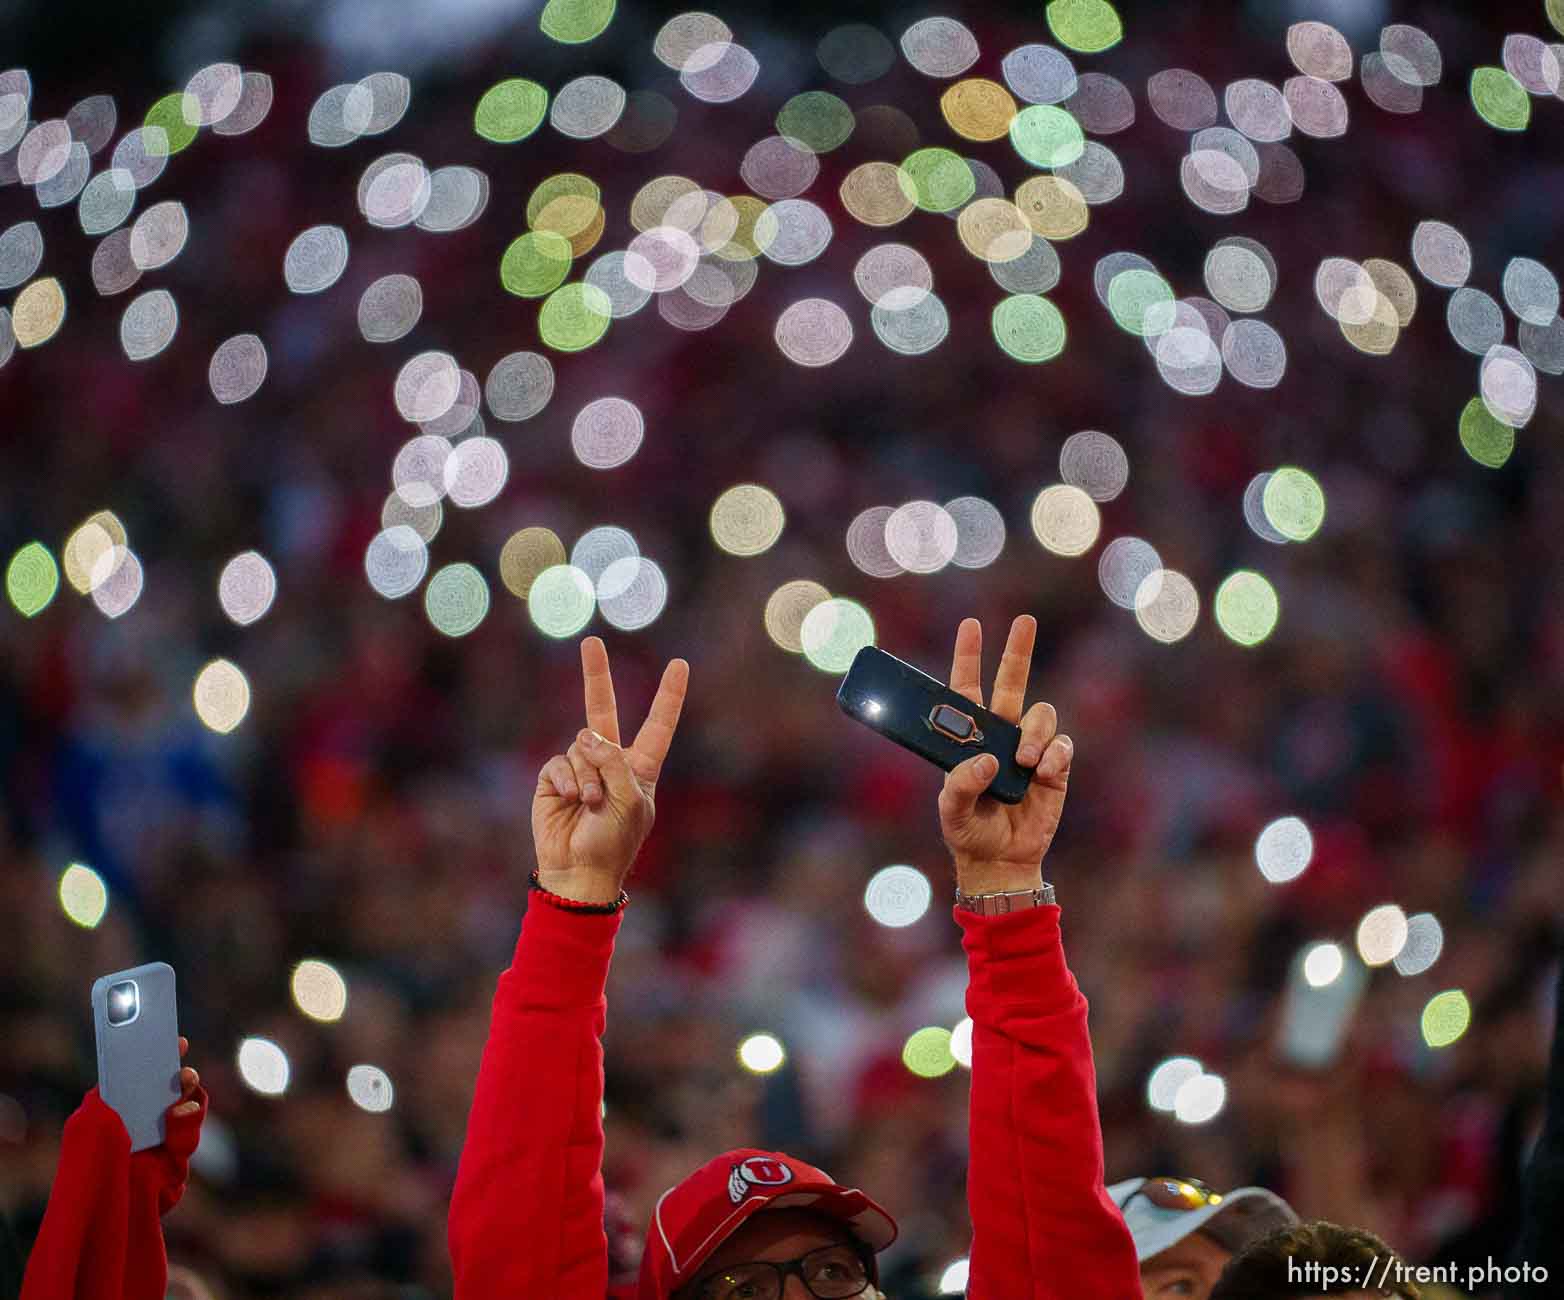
<point>757,1171</point>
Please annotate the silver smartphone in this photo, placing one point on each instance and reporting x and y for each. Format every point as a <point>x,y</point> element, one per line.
<point>137,1028</point>
<point>1317,1017</point>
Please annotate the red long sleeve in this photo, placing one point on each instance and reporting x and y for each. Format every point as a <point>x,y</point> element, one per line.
<point>527,1214</point>
<point>1043,1226</point>
<point>101,1237</point>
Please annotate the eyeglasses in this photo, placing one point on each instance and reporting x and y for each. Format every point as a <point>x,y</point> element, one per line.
<point>1175,1193</point>
<point>830,1273</point>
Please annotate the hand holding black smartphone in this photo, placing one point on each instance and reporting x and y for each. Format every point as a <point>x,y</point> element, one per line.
<point>924,715</point>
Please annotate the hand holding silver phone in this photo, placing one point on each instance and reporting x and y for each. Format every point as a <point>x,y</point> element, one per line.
<point>136,1023</point>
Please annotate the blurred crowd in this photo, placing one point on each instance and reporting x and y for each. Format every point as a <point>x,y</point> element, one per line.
<point>371,810</point>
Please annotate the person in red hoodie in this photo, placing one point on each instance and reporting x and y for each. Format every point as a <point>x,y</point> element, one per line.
<point>526,1218</point>
<point>102,1233</point>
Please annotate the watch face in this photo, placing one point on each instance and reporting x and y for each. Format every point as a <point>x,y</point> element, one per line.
<point>954,723</point>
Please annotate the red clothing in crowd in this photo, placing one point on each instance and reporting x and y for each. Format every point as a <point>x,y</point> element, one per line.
<point>527,1215</point>
<point>101,1236</point>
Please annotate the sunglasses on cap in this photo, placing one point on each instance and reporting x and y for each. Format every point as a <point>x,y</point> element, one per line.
<point>1168,1193</point>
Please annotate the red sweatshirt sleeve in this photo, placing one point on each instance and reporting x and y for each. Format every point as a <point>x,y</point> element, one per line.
<point>1043,1226</point>
<point>101,1238</point>
<point>527,1213</point>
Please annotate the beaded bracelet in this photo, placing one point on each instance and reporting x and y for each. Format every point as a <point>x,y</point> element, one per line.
<point>572,905</point>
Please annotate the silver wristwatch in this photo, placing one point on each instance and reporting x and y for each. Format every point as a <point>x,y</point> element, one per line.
<point>999,904</point>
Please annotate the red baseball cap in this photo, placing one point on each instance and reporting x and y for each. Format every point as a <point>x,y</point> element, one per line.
<point>696,1216</point>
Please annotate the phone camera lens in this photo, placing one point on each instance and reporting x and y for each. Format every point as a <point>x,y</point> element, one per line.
<point>124,1002</point>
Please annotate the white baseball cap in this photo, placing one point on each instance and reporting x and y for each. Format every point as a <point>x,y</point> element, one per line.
<point>1232,1220</point>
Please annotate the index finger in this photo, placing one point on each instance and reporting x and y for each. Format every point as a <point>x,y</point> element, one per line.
<point>1014,667</point>
<point>966,669</point>
<point>601,709</point>
<point>656,733</point>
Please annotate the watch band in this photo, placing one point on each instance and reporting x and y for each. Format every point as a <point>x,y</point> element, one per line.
<point>999,904</point>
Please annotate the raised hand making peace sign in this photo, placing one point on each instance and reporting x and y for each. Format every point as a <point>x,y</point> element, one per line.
<point>999,847</point>
<point>593,807</point>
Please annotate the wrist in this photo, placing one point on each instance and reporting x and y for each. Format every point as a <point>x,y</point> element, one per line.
<point>997,877</point>
<point>580,886</point>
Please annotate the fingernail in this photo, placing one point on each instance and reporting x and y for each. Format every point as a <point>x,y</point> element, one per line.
<point>599,740</point>
<point>591,791</point>
<point>1028,755</point>
<point>1066,744</point>
<point>987,766</point>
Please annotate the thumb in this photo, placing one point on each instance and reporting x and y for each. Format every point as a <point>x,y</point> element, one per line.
<point>965,783</point>
<point>622,787</point>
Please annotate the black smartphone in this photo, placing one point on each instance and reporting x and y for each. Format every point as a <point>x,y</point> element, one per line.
<point>924,715</point>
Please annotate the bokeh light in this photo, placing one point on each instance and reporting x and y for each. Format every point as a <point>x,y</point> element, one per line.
<point>1167,1078</point>
<point>939,47</point>
<point>31,579</point>
<point>316,259</point>
<point>456,599</point>
<point>955,1276</point>
<point>1065,520</point>
<point>527,553</point>
<point>561,600</point>
<point>574,22</point>
<point>1046,135</point>
<point>574,317</point>
<point>1425,941</point>
<point>39,311</point>
<point>1323,964</point>
<point>921,537</point>
<point>927,1054</point>
<point>84,897</point>
<point>747,520</point>
<point>1446,1017</point>
<point>263,1067</point>
<point>632,593</point>
<point>833,632</point>
<point>1500,100</point>
<point>786,609</point>
<point>237,369</point>
<point>1029,328</point>
<point>221,695</point>
<point>898,896</point>
<point>1201,1099</point>
<point>117,581</point>
<point>814,332</point>
<point>607,432</point>
<point>961,1042</point>
<point>319,991</point>
<point>762,1053</point>
<point>1440,252</point>
<point>1246,607</point>
<point>247,587</point>
<point>91,541</point>
<point>1486,439</point>
<point>1284,849</point>
<point>1294,503</point>
<point>1086,26</point>
<point>395,561</point>
<point>1125,564</point>
<point>1167,606</point>
<point>1382,934</point>
<point>370,1088</point>
<point>148,324</point>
